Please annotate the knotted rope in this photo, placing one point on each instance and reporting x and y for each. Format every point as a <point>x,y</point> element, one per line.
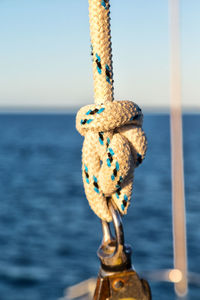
<point>114,143</point>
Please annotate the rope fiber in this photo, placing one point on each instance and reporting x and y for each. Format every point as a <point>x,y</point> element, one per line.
<point>114,143</point>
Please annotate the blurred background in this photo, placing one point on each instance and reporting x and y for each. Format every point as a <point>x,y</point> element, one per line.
<point>47,236</point>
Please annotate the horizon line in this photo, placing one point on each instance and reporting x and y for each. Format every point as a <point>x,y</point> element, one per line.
<point>74,109</point>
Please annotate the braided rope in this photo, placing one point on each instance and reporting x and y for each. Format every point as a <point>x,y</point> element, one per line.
<point>114,143</point>
<point>99,13</point>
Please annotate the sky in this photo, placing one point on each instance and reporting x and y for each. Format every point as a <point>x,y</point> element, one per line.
<point>45,53</point>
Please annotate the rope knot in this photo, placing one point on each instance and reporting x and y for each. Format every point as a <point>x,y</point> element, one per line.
<point>114,146</point>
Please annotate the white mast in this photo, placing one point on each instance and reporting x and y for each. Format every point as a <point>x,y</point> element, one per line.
<point>178,196</point>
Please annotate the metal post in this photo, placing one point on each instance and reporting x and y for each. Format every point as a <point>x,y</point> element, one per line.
<point>178,196</point>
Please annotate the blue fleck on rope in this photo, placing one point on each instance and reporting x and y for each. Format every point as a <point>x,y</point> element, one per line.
<point>108,142</point>
<point>96,186</point>
<point>91,112</point>
<point>118,186</point>
<point>108,74</point>
<point>101,138</point>
<point>105,3</point>
<point>114,175</point>
<point>101,110</point>
<point>86,174</point>
<point>124,202</point>
<point>110,157</point>
<point>88,112</point>
<point>98,62</point>
<point>95,111</point>
<point>85,121</point>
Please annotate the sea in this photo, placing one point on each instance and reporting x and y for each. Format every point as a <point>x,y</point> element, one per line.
<point>48,234</point>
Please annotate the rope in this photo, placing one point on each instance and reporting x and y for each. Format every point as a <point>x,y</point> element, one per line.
<point>114,143</point>
<point>99,13</point>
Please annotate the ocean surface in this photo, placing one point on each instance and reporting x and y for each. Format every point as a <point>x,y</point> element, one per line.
<point>48,233</point>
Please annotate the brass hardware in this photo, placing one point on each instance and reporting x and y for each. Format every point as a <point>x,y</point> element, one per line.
<point>117,280</point>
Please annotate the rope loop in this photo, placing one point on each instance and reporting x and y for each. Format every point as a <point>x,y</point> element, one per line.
<point>114,146</point>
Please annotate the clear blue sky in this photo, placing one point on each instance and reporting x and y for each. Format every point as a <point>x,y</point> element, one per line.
<point>45,52</point>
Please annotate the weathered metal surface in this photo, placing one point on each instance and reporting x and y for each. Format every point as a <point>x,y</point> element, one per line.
<point>113,253</point>
<point>122,286</point>
<point>117,280</point>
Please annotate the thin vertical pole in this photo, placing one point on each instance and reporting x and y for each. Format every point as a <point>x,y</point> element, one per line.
<point>178,196</point>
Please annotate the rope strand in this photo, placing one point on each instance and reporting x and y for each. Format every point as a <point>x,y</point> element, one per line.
<point>99,13</point>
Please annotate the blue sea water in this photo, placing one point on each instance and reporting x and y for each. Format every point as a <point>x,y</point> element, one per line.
<point>49,235</point>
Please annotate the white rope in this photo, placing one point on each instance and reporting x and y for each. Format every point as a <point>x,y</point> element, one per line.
<point>115,143</point>
<point>99,12</point>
